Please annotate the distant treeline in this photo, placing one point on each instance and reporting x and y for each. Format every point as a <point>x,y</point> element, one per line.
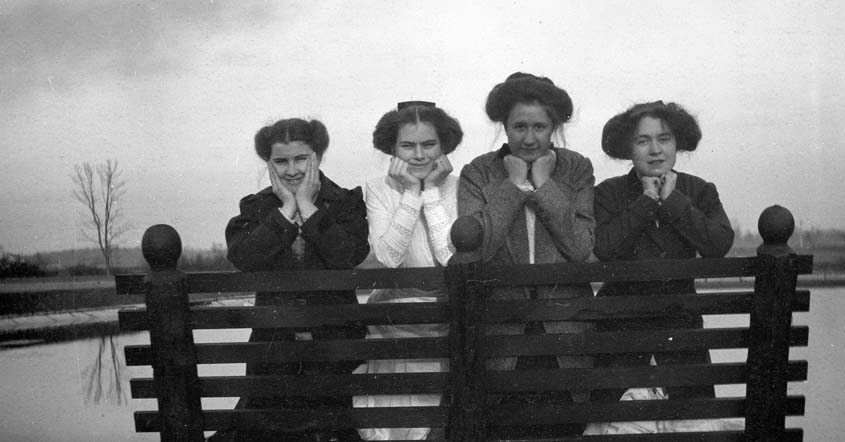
<point>828,246</point>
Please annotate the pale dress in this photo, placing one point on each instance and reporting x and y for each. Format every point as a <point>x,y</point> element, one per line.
<point>407,230</point>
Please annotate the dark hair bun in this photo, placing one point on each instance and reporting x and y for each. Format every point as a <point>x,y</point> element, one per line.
<point>312,133</point>
<point>522,87</point>
<point>618,133</point>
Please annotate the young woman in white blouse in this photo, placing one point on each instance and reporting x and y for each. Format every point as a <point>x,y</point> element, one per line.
<point>410,212</point>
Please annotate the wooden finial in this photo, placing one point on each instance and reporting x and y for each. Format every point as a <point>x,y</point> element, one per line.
<point>466,234</point>
<point>775,225</point>
<point>161,246</point>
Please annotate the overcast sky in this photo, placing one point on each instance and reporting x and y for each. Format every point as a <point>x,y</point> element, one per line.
<point>174,91</point>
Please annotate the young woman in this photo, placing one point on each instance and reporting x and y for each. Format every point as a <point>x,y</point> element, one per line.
<point>656,212</point>
<point>302,221</point>
<point>410,212</point>
<point>534,201</point>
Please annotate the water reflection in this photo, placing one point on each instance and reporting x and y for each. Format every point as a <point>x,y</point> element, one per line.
<point>106,372</point>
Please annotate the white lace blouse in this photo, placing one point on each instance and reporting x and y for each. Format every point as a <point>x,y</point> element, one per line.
<point>410,230</point>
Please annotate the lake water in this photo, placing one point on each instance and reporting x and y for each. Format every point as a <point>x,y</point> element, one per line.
<point>46,396</point>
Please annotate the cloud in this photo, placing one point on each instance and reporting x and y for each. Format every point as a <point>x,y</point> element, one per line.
<point>58,45</point>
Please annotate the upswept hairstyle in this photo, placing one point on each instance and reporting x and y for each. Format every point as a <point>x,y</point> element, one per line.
<point>387,129</point>
<point>313,133</point>
<point>618,133</point>
<point>526,88</point>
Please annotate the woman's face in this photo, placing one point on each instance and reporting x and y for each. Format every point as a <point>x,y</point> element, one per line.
<point>529,129</point>
<point>653,150</point>
<point>289,161</point>
<point>418,145</point>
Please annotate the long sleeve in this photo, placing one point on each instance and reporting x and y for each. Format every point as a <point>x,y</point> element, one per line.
<point>564,206</point>
<point>259,237</point>
<point>338,234</point>
<point>439,221</point>
<point>705,224</point>
<point>494,201</point>
<point>391,225</point>
<point>619,224</point>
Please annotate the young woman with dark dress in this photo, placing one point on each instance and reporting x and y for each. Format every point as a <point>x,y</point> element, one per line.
<point>656,212</point>
<point>302,221</point>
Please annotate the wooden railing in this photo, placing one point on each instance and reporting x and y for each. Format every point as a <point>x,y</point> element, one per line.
<point>466,412</point>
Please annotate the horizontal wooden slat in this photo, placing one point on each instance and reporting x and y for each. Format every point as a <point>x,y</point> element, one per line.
<point>496,382</point>
<point>290,281</point>
<point>790,435</point>
<point>495,346</point>
<point>602,378</point>
<point>597,308</point>
<point>306,420</point>
<point>545,414</point>
<point>300,316</point>
<point>628,341</point>
<point>432,277</point>
<point>644,270</point>
<point>358,349</point>
<point>501,415</point>
<point>316,385</point>
<point>582,309</point>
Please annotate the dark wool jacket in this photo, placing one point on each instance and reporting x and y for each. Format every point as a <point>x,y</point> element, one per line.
<point>631,226</point>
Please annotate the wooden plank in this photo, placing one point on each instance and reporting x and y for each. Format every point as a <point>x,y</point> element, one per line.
<point>790,435</point>
<point>498,382</point>
<point>353,349</point>
<point>496,346</point>
<point>295,281</point>
<point>300,316</point>
<point>653,341</point>
<point>596,308</point>
<point>604,378</point>
<point>432,277</point>
<point>309,420</point>
<point>314,385</point>
<point>581,309</point>
<point>554,414</point>
<point>643,270</point>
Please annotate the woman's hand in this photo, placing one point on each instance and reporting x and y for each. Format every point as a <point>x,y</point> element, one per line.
<point>542,168</point>
<point>516,168</point>
<point>288,199</point>
<point>442,169</point>
<point>307,191</point>
<point>651,186</point>
<point>398,170</point>
<point>668,184</point>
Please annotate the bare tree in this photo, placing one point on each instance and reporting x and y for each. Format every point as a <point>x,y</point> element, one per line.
<point>100,198</point>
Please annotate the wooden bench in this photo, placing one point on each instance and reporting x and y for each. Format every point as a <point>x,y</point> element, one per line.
<point>466,412</point>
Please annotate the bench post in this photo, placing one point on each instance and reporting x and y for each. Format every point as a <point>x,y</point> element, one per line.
<point>467,413</point>
<point>770,324</point>
<point>174,357</point>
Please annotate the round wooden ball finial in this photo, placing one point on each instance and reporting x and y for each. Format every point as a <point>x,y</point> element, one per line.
<point>776,225</point>
<point>161,246</point>
<point>466,234</point>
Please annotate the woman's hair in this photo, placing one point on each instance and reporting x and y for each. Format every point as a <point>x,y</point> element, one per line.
<point>525,88</point>
<point>618,134</point>
<point>313,133</point>
<point>387,129</point>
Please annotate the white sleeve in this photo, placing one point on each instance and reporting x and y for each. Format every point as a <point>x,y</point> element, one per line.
<point>391,225</point>
<point>439,223</point>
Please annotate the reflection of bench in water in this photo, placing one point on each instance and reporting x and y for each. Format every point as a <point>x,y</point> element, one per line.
<point>465,412</point>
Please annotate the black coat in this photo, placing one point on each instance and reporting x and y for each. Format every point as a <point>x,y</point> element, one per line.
<point>260,238</point>
<point>631,226</point>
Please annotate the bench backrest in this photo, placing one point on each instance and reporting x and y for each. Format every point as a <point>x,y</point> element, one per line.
<point>467,411</point>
